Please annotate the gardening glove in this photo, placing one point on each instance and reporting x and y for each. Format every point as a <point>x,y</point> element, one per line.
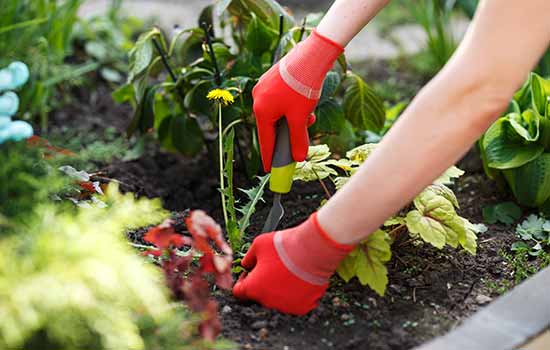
<point>289,270</point>
<point>292,88</point>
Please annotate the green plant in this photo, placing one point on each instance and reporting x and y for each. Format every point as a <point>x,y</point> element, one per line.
<point>107,39</point>
<point>434,16</point>
<point>431,218</point>
<point>534,233</point>
<point>76,284</point>
<point>514,148</point>
<point>199,60</point>
<point>523,264</point>
<point>505,212</point>
<point>28,181</point>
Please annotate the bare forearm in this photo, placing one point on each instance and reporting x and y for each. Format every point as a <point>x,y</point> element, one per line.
<point>445,119</point>
<point>346,18</point>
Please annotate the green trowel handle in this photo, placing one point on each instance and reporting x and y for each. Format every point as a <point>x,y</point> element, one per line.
<point>283,165</point>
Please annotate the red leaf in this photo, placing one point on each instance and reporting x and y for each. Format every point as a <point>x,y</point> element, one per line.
<point>163,236</point>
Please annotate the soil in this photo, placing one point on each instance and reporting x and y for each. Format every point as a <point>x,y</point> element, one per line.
<point>430,291</point>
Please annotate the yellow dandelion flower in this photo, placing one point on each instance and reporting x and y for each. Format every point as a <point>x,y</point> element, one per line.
<point>222,96</point>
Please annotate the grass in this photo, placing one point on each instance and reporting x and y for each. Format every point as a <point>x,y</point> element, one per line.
<point>523,265</point>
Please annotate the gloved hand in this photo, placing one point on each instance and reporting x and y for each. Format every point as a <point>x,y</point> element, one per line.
<point>289,270</point>
<point>292,88</point>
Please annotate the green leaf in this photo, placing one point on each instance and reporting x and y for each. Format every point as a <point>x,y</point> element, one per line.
<point>445,192</point>
<point>207,16</point>
<point>435,220</point>
<point>186,135</point>
<point>363,108</point>
<point>469,242</point>
<point>447,177</point>
<point>394,112</point>
<point>315,166</point>
<point>367,262</point>
<point>330,118</point>
<point>144,115</point>
<point>254,195</point>
<point>361,153</point>
<point>526,124</point>
<point>223,55</point>
<point>142,54</point>
<point>506,213</point>
<point>267,11</point>
<point>505,148</point>
<point>523,96</point>
<point>123,94</point>
<point>530,183</point>
<point>540,92</point>
<point>330,85</point>
<point>195,99</point>
<point>531,227</point>
<point>259,37</point>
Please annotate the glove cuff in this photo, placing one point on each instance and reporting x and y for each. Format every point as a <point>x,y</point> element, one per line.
<point>304,68</point>
<point>309,253</point>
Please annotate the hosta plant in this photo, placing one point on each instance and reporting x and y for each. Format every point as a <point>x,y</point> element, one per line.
<point>431,218</point>
<point>198,60</point>
<point>515,148</point>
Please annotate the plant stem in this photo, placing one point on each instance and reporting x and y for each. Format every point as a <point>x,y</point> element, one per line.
<point>165,62</point>
<point>220,144</point>
<point>217,75</point>
<point>325,188</point>
<point>302,29</point>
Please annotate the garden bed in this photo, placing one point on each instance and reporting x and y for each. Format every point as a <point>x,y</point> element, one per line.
<point>430,291</point>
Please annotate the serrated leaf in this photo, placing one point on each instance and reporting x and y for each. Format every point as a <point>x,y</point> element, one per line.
<point>330,84</point>
<point>340,181</point>
<point>445,192</point>
<point>435,220</point>
<point>530,227</point>
<point>360,154</point>
<point>254,195</point>
<point>362,107</point>
<point>449,175</point>
<point>330,118</point>
<point>367,262</point>
<point>469,241</point>
<point>506,213</point>
<point>396,220</point>
<point>315,167</point>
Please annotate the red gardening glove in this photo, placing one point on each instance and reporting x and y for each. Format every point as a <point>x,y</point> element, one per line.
<point>292,88</point>
<point>290,269</point>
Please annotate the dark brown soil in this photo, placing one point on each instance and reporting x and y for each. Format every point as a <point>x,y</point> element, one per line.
<point>430,291</point>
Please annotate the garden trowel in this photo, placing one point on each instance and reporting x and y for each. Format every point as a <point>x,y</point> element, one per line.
<point>282,172</point>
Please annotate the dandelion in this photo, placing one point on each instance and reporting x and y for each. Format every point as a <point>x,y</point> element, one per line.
<point>222,96</point>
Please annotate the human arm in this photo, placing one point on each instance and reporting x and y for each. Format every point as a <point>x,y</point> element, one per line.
<point>502,45</point>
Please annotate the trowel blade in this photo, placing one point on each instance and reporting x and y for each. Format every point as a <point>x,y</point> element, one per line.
<point>275,214</point>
